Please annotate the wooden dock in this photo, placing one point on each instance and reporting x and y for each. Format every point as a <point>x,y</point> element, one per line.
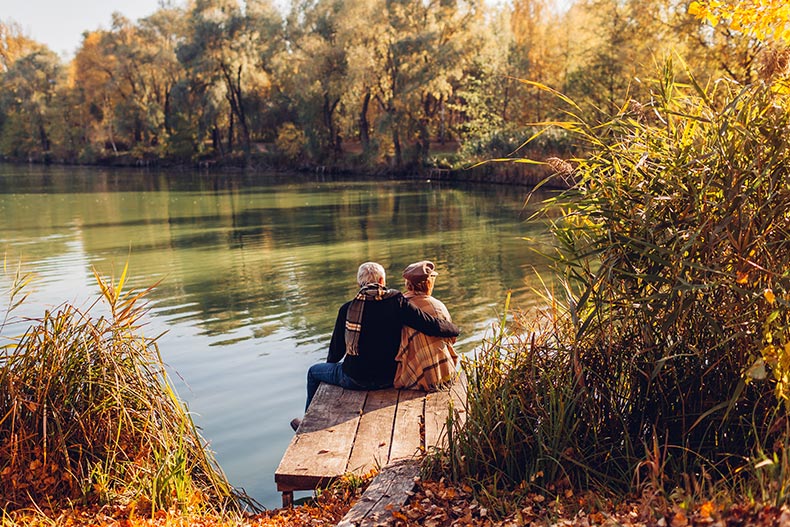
<point>348,431</point>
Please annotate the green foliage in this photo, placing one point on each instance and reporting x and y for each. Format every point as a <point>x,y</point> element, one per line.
<point>670,357</point>
<point>28,89</point>
<point>677,227</point>
<point>509,142</point>
<point>15,140</point>
<point>90,415</point>
<point>320,72</point>
<point>521,415</point>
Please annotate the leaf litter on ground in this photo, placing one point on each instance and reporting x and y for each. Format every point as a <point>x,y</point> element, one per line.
<point>435,503</point>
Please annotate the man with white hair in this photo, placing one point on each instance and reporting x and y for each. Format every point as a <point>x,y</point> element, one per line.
<point>367,336</point>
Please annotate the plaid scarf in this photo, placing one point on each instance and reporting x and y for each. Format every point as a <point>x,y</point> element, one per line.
<point>369,292</point>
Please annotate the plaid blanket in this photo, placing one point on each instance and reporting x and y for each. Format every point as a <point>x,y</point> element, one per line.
<point>368,293</point>
<point>425,363</point>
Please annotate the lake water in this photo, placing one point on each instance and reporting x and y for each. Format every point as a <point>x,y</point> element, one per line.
<point>253,269</point>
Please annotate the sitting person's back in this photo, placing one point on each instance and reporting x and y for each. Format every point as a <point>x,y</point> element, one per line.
<point>424,362</point>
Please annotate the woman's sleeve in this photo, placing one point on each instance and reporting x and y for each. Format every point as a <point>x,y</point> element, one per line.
<point>425,323</point>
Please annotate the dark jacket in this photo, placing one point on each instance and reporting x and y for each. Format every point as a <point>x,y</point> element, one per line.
<point>379,338</point>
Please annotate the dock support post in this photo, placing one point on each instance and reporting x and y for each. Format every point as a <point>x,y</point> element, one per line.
<point>288,499</point>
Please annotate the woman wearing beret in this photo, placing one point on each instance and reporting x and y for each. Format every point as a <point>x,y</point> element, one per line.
<point>424,362</point>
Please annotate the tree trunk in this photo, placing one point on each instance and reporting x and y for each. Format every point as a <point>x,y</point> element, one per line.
<point>168,128</point>
<point>364,125</point>
<point>237,108</point>
<point>230,132</point>
<point>110,133</point>
<point>216,140</point>
<point>333,138</point>
<point>425,142</point>
<point>505,101</point>
<point>442,123</point>
<point>43,138</point>
<point>422,130</point>
<point>396,146</point>
<point>138,131</point>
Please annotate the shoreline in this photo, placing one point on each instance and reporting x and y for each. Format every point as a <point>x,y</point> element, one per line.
<point>498,172</point>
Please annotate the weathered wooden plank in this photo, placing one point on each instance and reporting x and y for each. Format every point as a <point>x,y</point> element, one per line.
<point>374,435</point>
<point>437,409</point>
<point>354,431</point>
<point>321,447</point>
<point>408,416</point>
<point>387,492</point>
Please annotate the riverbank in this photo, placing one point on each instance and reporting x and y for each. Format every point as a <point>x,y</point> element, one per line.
<point>549,170</point>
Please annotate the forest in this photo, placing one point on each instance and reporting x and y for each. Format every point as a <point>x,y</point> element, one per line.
<point>359,84</point>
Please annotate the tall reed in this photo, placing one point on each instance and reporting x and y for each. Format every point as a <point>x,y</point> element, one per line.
<point>668,357</point>
<point>88,415</point>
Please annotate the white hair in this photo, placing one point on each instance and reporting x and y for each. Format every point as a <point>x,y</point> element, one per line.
<point>371,273</point>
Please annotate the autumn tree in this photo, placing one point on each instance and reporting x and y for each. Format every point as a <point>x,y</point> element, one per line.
<point>765,20</point>
<point>606,64</point>
<point>222,52</point>
<point>360,34</point>
<point>537,51</point>
<point>406,56</point>
<point>91,73</point>
<point>266,21</point>
<point>615,44</point>
<point>484,100</point>
<point>22,108</point>
<point>140,89</point>
<point>27,91</point>
<point>453,30</point>
<point>148,64</point>
<point>317,70</point>
<point>13,44</point>
<point>740,34</point>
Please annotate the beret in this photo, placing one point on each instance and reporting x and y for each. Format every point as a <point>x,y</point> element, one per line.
<point>419,271</point>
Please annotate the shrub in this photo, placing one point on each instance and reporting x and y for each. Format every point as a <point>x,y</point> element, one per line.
<point>509,142</point>
<point>290,141</point>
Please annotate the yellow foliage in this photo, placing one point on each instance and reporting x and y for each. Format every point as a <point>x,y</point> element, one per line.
<point>14,44</point>
<point>776,350</point>
<point>767,20</point>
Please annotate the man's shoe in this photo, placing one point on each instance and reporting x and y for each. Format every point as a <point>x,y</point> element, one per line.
<point>295,422</point>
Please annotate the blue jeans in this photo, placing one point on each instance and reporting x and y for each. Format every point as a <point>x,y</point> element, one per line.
<point>330,373</point>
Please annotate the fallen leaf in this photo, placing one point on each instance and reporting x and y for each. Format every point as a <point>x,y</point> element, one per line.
<point>679,520</point>
<point>706,509</point>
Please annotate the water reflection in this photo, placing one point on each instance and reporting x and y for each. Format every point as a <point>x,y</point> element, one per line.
<point>252,270</point>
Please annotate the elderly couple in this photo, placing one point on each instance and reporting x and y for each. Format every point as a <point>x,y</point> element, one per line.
<point>386,338</point>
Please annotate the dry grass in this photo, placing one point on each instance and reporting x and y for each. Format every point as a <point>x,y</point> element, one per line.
<point>89,417</point>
